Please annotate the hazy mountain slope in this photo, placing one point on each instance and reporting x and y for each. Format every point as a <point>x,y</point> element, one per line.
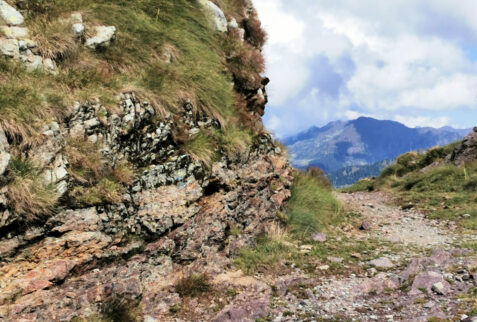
<point>349,175</point>
<point>361,142</point>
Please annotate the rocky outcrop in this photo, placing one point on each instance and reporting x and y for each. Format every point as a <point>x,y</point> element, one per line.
<point>80,258</point>
<point>465,151</point>
<point>108,238</point>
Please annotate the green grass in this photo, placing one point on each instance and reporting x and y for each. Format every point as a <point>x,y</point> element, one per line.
<point>267,253</point>
<point>201,148</point>
<point>312,207</point>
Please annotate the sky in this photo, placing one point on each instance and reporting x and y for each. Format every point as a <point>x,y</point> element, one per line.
<point>412,61</point>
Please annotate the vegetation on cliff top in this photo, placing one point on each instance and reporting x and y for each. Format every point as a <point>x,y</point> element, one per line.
<point>150,34</point>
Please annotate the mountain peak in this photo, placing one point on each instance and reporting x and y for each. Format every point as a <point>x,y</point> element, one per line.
<point>363,141</point>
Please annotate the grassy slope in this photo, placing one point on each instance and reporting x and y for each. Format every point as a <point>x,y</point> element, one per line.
<point>442,192</point>
<point>133,61</point>
<point>203,62</point>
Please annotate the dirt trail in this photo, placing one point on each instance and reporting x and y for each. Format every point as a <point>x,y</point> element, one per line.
<point>394,224</point>
<point>422,274</point>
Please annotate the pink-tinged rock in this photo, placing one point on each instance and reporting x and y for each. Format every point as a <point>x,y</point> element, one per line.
<point>440,257</point>
<point>244,312</point>
<point>58,271</point>
<point>279,197</point>
<point>35,285</point>
<point>378,284</point>
<point>426,281</point>
<point>319,237</point>
<point>79,220</point>
<point>365,226</point>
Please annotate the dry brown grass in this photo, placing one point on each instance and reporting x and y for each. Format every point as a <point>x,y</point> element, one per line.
<point>86,164</point>
<point>53,38</point>
<point>193,285</point>
<point>30,198</point>
<point>254,31</point>
<point>246,63</point>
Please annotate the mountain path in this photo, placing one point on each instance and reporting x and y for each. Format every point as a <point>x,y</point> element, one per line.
<point>419,272</point>
<point>391,223</point>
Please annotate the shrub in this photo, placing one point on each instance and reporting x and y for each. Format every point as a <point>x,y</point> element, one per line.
<point>193,285</point>
<point>254,32</point>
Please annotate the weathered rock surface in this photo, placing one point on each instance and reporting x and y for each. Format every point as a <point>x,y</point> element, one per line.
<point>466,151</point>
<point>216,14</point>
<point>103,37</point>
<point>9,14</point>
<point>4,155</point>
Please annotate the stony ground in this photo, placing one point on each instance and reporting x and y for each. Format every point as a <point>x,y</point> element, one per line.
<point>420,272</point>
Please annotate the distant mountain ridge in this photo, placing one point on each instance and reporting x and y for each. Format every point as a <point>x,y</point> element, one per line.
<point>361,142</point>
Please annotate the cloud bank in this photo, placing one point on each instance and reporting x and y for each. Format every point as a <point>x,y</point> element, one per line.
<point>413,61</point>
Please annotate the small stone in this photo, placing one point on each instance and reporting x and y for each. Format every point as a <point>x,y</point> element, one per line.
<point>10,15</point>
<point>429,305</point>
<point>382,263</point>
<point>372,271</point>
<point>335,259</point>
<point>466,216</point>
<point>220,22</point>
<point>319,237</point>
<point>233,23</point>
<point>365,226</point>
<point>49,64</point>
<point>89,124</point>
<point>323,267</point>
<point>103,37</point>
<point>438,288</point>
<point>14,32</point>
<point>9,47</point>
<point>77,28</point>
<point>306,248</point>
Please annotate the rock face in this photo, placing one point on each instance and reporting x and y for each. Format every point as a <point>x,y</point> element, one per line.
<point>466,151</point>
<point>172,217</point>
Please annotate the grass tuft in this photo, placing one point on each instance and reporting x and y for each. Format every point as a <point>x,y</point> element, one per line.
<point>29,197</point>
<point>193,285</point>
<point>312,206</point>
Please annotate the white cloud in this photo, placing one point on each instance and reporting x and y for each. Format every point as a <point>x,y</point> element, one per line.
<point>402,54</point>
<point>422,121</point>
